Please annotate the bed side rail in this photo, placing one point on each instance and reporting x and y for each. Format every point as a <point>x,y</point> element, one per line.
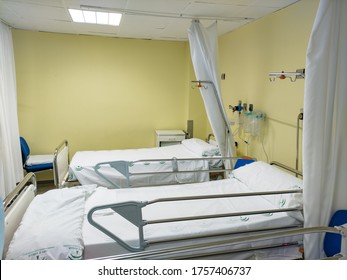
<point>285,167</point>
<point>199,250</point>
<point>30,178</point>
<point>124,167</point>
<point>132,212</point>
<point>61,164</point>
<point>15,205</point>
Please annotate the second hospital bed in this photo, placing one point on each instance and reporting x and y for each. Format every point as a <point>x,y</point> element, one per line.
<point>166,222</point>
<point>138,167</point>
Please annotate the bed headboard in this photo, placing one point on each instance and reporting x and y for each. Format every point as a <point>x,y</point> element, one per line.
<point>61,164</point>
<point>15,206</point>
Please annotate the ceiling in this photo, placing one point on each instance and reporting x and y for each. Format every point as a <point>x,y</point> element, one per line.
<point>146,19</point>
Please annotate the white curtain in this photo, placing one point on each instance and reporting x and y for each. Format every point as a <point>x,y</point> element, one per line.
<point>11,171</point>
<point>325,121</point>
<point>204,52</point>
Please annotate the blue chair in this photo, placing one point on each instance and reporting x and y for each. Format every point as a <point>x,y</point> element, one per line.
<point>332,241</point>
<point>34,163</point>
<point>243,161</point>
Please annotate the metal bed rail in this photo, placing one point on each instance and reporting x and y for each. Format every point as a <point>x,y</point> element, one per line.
<point>29,178</point>
<point>15,205</point>
<point>285,167</point>
<point>132,212</point>
<point>61,164</point>
<point>124,167</point>
<point>199,250</point>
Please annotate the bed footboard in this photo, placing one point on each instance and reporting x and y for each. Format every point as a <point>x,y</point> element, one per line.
<point>16,204</point>
<point>61,164</point>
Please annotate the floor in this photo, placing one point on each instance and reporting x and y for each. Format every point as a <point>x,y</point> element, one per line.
<point>43,186</point>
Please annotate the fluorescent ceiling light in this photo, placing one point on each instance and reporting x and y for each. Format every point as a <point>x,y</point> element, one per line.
<point>101,18</point>
<point>76,15</point>
<point>89,16</point>
<point>95,17</point>
<point>114,19</point>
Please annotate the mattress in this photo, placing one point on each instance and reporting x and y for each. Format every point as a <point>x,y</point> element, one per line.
<point>61,229</point>
<point>83,163</point>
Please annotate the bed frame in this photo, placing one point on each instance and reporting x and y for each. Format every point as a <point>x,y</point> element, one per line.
<point>61,167</point>
<point>132,212</point>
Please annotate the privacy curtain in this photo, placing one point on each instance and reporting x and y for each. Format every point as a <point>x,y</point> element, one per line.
<point>11,171</point>
<point>325,121</point>
<point>204,52</point>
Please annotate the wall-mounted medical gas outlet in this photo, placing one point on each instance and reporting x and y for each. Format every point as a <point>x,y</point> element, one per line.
<point>241,107</point>
<point>293,76</point>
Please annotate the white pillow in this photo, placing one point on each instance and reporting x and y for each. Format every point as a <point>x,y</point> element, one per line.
<point>261,176</point>
<point>51,228</point>
<point>200,147</point>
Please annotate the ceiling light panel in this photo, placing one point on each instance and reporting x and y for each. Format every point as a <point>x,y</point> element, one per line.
<point>89,16</point>
<point>95,17</point>
<point>76,15</point>
<point>102,18</point>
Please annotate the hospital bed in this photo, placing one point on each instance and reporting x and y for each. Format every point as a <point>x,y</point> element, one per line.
<point>139,167</point>
<point>254,214</point>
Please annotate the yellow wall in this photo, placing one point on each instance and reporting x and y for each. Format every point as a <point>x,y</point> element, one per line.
<point>274,43</point>
<point>99,93</point>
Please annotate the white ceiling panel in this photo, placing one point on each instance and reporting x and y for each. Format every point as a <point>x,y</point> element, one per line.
<point>146,19</point>
<point>272,3</point>
<point>255,12</point>
<point>199,9</point>
<point>158,6</point>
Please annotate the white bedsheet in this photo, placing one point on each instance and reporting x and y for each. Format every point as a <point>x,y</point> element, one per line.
<point>83,162</point>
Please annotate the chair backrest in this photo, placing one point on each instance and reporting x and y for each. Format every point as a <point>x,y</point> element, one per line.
<point>25,149</point>
<point>243,161</point>
<point>332,241</point>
